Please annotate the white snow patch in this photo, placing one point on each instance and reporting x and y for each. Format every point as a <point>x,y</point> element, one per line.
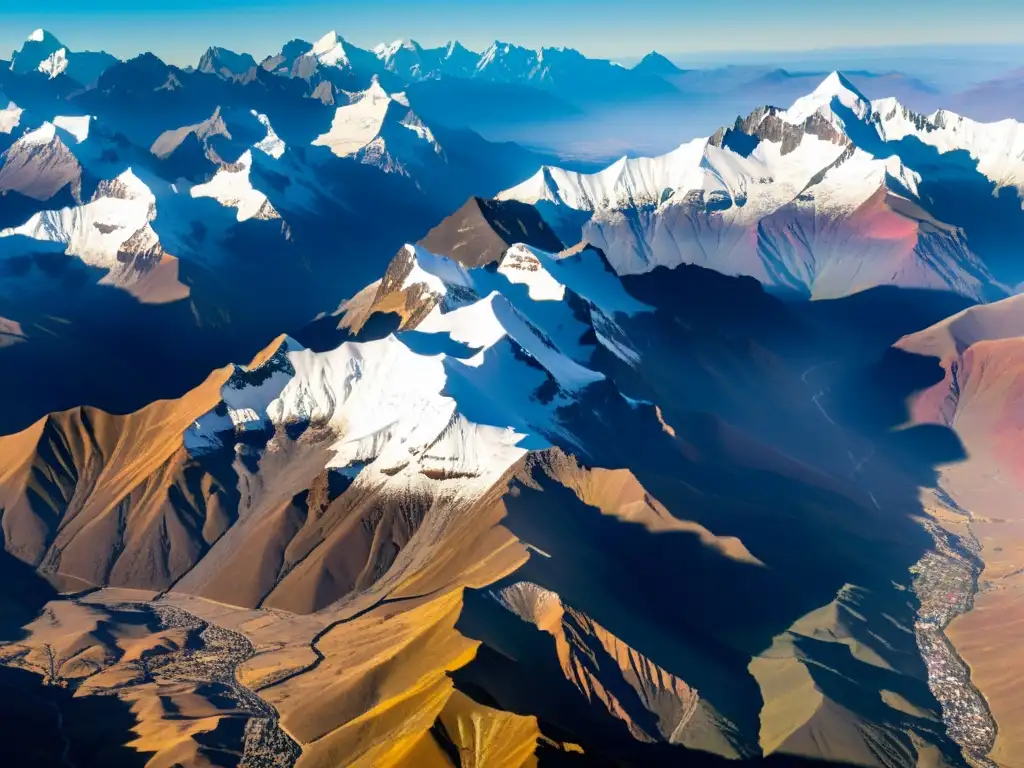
<point>76,126</point>
<point>850,184</point>
<point>435,272</point>
<point>483,323</point>
<point>357,124</point>
<point>234,189</point>
<point>521,264</point>
<point>585,274</point>
<point>272,144</point>
<point>44,134</point>
<point>10,117</point>
<point>55,63</point>
<point>95,231</point>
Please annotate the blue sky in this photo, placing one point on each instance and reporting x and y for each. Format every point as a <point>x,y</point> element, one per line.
<point>179,30</point>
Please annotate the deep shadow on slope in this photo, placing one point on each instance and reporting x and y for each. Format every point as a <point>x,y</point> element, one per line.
<point>702,617</point>
<point>773,368</point>
<point>865,324</point>
<point>45,725</point>
<point>326,333</point>
<point>93,344</point>
<point>516,669</point>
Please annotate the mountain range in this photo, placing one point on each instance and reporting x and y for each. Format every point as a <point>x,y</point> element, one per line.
<point>835,195</point>
<point>335,433</point>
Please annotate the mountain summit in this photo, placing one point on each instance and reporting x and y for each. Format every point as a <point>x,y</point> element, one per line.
<point>43,52</point>
<point>835,88</point>
<point>228,64</point>
<point>656,64</point>
<point>380,129</point>
<point>797,198</point>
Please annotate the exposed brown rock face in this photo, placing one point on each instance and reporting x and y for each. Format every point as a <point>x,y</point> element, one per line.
<point>431,621</point>
<point>482,230</point>
<point>765,124</point>
<point>169,141</point>
<point>325,92</point>
<point>113,500</point>
<point>40,170</point>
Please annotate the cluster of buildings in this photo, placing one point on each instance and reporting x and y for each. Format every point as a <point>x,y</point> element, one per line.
<point>945,581</point>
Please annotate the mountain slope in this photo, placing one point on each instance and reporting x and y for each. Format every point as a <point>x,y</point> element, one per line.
<point>513,502</point>
<point>44,53</point>
<point>380,130</point>
<point>656,64</point>
<point>207,197</point>
<point>977,394</point>
<point>827,198</point>
<point>369,484</point>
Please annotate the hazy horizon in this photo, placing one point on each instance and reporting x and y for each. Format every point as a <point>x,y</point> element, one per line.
<point>180,30</point>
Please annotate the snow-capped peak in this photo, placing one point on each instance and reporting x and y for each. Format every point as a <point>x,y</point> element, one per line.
<point>129,186</point>
<point>534,283</point>
<point>379,129</point>
<point>44,134</point>
<point>498,52</point>
<point>836,84</point>
<point>997,147</point>
<point>452,47</point>
<point>522,265</point>
<point>39,36</point>
<point>357,124</point>
<point>627,181</point>
<point>436,273</point>
<point>833,88</point>
<point>330,50</point>
<point>375,92</point>
<point>42,52</point>
<point>399,416</point>
<point>326,43</point>
<point>386,50</point>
